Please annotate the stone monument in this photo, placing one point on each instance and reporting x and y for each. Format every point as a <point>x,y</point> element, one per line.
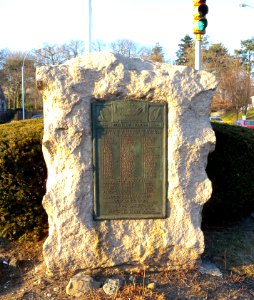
<point>126,143</point>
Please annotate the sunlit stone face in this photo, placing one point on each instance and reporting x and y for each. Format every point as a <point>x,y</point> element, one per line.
<point>78,237</point>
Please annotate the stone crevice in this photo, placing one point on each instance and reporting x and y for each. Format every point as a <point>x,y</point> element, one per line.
<point>76,240</point>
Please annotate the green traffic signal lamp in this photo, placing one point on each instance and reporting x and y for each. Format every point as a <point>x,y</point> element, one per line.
<point>199,15</point>
<point>202,24</point>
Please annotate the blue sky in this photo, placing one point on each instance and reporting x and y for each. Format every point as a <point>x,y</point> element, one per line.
<point>27,24</point>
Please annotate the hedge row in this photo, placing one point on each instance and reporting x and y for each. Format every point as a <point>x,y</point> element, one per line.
<point>231,170</point>
<point>22,180</point>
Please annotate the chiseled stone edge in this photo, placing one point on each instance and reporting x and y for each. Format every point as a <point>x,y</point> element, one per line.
<point>75,240</point>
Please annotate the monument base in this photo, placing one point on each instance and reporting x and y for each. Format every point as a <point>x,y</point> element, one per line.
<point>77,240</point>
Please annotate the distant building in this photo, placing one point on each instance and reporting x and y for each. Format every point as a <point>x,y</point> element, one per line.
<point>2,100</point>
<point>252,100</point>
<point>251,105</point>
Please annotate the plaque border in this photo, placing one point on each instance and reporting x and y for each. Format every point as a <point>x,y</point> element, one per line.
<point>97,216</point>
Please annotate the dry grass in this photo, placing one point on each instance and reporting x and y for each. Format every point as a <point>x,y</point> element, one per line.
<point>232,249</point>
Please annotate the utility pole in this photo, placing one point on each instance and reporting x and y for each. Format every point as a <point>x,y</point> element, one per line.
<point>90,26</point>
<point>198,52</point>
<point>23,86</point>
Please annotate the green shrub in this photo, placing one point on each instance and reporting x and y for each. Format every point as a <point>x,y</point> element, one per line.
<point>231,170</point>
<point>22,180</point>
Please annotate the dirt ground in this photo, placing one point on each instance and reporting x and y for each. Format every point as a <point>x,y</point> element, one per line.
<point>23,273</point>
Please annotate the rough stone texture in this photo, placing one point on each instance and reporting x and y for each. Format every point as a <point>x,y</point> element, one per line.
<point>75,240</point>
<point>80,284</point>
<point>111,286</point>
<point>210,269</point>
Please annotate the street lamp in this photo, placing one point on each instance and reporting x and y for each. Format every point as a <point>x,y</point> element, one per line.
<point>246,5</point>
<point>23,88</point>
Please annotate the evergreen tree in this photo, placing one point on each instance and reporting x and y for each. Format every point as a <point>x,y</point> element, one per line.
<point>246,54</point>
<point>185,54</point>
<point>216,59</point>
<point>157,54</point>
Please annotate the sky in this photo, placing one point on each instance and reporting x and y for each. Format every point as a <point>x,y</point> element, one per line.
<point>30,24</point>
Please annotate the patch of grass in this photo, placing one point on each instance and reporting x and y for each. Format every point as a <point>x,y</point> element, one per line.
<point>250,114</point>
<point>230,117</point>
<point>128,292</point>
<point>232,248</point>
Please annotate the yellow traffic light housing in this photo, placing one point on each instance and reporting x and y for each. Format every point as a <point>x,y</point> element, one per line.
<point>199,16</point>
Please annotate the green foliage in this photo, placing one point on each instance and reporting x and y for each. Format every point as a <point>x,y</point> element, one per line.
<point>22,180</point>
<point>185,54</point>
<point>230,117</point>
<point>157,54</point>
<point>231,170</point>
<point>216,59</point>
<point>246,54</point>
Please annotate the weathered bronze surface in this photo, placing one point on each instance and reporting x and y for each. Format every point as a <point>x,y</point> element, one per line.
<point>129,155</point>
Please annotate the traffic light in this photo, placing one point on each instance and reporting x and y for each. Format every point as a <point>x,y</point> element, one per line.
<point>200,21</point>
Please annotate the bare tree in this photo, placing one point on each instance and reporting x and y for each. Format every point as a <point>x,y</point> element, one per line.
<point>11,81</point>
<point>131,49</point>
<point>98,45</point>
<point>73,49</point>
<point>58,54</point>
<point>10,71</point>
<point>4,53</point>
<point>235,83</point>
<point>49,55</point>
<point>144,52</point>
<point>125,47</point>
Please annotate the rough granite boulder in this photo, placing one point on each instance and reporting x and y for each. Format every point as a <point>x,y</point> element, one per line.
<point>76,240</point>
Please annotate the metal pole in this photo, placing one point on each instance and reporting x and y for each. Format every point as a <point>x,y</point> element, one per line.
<point>23,88</point>
<point>90,26</point>
<point>198,52</point>
<point>23,93</point>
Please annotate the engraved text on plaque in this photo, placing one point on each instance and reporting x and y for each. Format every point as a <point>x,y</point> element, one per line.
<point>129,155</point>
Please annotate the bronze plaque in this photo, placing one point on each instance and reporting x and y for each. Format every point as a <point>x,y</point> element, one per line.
<point>129,156</point>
